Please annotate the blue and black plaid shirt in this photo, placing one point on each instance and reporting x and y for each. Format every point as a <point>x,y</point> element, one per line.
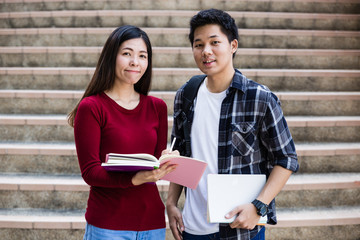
<point>253,138</point>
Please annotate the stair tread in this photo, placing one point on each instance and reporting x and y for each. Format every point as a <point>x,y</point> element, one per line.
<point>303,149</point>
<point>318,216</point>
<point>71,94</point>
<point>293,121</point>
<point>260,1</point>
<point>44,182</point>
<point>183,50</point>
<point>172,13</point>
<point>42,218</point>
<point>160,30</point>
<point>180,71</point>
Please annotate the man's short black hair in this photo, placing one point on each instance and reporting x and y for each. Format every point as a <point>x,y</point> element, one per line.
<point>214,16</point>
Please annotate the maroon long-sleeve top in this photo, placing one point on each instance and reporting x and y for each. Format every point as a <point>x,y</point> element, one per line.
<point>102,126</point>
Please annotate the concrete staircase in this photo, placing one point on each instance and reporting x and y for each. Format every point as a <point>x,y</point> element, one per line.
<point>307,52</point>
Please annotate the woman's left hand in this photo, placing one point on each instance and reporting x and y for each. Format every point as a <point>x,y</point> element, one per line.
<point>154,175</point>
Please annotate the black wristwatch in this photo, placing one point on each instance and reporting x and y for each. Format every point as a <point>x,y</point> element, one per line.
<point>261,208</point>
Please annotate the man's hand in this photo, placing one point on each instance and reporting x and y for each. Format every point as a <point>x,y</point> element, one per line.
<point>167,151</point>
<point>175,221</point>
<point>174,214</point>
<point>247,218</point>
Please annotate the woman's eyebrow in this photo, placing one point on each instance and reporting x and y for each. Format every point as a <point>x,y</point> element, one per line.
<point>128,48</point>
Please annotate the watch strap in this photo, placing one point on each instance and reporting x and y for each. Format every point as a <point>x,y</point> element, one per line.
<point>261,208</point>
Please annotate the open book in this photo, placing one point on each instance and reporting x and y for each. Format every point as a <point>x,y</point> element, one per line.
<point>187,173</point>
<point>227,191</point>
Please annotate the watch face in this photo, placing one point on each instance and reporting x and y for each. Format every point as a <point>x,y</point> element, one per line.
<point>262,208</point>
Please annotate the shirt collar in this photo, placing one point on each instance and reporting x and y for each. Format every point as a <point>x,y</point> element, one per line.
<point>239,81</point>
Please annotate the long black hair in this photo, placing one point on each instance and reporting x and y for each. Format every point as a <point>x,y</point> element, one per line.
<point>104,75</point>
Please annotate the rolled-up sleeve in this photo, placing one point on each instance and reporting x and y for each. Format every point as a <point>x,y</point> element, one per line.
<point>276,136</point>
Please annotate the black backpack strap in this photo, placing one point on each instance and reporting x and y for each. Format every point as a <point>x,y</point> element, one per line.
<point>190,92</point>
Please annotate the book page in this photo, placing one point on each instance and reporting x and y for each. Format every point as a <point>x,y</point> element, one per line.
<point>138,156</point>
<point>130,162</point>
<point>125,168</point>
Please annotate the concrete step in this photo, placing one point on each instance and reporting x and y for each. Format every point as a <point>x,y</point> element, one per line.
<point>172,57</point>
<point>178,37</point>
<point>71,192</point>
<point>323,223</point>
<point>316,6</point>
<point>171,79</point>
<point>293,103</point>
<point>175,18</point>
<point>41,224</point>
<point>39,158</point>
<point>61,158</point>
<point>47,128</point>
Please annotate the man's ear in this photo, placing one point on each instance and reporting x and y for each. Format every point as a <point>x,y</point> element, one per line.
<point>234,45</point>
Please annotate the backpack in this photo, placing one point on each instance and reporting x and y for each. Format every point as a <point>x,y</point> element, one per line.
<point>190,92</point>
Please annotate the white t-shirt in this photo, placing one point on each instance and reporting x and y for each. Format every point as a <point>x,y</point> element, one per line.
<point>204,145</point>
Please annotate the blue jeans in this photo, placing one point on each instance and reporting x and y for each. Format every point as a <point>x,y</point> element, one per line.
<point>95,233</point>
<point>212,236</point>
<point>260,235</point>
<point>215,236</point>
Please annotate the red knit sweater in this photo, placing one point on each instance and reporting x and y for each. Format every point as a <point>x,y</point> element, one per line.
<point>102,126</point>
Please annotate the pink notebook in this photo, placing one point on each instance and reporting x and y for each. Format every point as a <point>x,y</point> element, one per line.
<point>187,173</point>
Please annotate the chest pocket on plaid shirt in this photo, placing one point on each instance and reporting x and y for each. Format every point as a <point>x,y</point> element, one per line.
<point>243,138</point>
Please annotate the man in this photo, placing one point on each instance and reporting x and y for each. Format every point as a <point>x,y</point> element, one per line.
<point>237,127</point>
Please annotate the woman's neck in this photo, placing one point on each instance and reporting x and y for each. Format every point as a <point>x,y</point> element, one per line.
<point>127,98</point>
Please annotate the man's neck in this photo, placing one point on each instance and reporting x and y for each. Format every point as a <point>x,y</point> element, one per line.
<point>220,82</point>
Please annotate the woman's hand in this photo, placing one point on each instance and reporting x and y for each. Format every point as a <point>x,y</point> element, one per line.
<point>154,175</point>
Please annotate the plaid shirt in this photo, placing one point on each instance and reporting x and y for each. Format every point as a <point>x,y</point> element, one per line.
<point>253,138</point>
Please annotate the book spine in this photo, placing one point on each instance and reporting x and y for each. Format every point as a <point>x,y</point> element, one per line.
<point>106,158</point>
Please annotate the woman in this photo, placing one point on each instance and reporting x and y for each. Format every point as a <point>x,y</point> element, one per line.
<point>115,115</point>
